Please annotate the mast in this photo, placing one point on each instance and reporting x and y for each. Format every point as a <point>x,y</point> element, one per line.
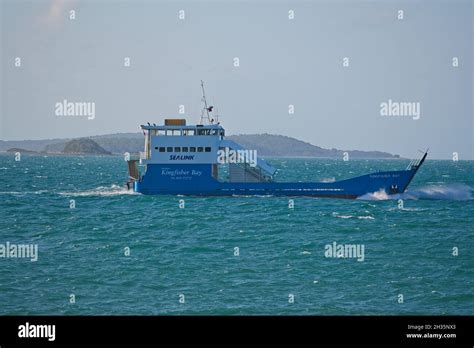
<point>206,109</point>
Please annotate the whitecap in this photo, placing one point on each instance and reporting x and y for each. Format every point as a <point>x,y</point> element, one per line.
<point>368,217</point>
<point>344,216</point>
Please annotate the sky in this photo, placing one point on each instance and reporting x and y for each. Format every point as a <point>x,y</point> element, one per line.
<point>283,62</point>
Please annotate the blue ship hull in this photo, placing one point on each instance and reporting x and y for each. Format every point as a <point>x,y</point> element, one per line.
<point>197,179</point>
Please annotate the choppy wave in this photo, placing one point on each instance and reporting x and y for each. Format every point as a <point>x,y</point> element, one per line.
<point>114,190</point>
<point>455,192</point>
<point>361,217</point>
<point>191,250</point>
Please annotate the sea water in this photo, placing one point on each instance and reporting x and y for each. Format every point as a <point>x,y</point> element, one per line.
<point>104,250</point>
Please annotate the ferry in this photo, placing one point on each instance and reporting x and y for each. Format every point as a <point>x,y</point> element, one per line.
<point>198,160</point>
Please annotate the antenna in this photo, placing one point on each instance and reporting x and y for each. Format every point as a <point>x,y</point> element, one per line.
<point>205,109</point>
<point>216,117</point>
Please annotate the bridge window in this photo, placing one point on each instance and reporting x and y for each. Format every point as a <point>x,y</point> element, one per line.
<point>156,147</point>
<point>177,149</point>
<point>208,149</point>
<point>203,132</point>
<point>192,149</point>
<point>169,149</point>
<point>200,149</point>
<point>184,149</point>
<point>162,149</point>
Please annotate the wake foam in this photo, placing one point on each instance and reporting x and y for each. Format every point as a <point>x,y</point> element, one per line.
<point>23,193</point>
<point>455,192</point>
<point>114,190</point>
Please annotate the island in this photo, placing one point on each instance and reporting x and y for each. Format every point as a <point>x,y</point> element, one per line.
<point>267,145</point>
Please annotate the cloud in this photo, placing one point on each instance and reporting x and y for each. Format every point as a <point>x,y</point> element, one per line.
<point>57,12</point>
